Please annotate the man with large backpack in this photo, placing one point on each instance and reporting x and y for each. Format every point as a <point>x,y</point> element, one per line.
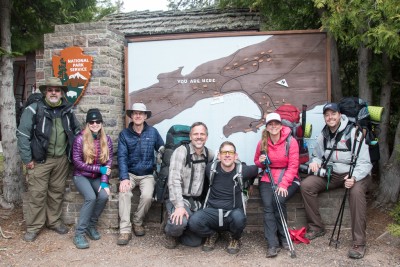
<point>46,133</point>
<point>225,205</point>
<point>330,166</point>
<point>185,184</point>
<point>136,161</point>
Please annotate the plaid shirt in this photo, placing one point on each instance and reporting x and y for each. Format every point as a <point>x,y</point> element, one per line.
<point>180,173</point>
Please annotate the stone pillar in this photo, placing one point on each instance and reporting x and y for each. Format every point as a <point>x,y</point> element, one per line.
<point>105,91</point>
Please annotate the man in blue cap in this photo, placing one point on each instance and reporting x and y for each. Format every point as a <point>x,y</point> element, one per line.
<point>331,152</point>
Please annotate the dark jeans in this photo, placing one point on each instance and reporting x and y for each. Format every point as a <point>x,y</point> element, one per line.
<point>205,222</point>
<point>94,204</point>
<point>182,231</point>
<point>273,228</point>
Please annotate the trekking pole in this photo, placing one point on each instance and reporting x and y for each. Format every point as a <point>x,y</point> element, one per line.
<point>339,218</point>
<point>278,204</point>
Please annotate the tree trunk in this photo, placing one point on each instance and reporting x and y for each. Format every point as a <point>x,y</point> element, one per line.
<point>335,72</point>
<point>385,102</point>
<point>389,185</point>
<point>13,180</point>
<point>364,90</point>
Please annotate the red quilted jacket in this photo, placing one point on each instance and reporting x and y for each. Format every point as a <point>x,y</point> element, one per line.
<point>279,160</point>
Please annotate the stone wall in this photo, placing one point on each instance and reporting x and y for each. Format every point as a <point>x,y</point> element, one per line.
<point>106,91</point>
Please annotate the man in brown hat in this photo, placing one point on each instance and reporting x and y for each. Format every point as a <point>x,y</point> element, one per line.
<point>45,136</point>
<point>136,161</point>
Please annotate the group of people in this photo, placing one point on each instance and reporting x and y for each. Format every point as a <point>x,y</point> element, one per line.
<point>206,194</point>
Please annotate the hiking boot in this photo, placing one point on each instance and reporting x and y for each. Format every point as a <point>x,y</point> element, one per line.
<point>80,242</point>
<point>138,230</point>
<point>123,239</point>
<point>170,242</point>
<point>284,245</point>
<point>272,252</point>
<point>92,233</point>
<point>234,246</point>
<point>61,229</point>
<point>312,234</point>
<point>210,242</point>
<point>357,252</point>
<point>30,236</point>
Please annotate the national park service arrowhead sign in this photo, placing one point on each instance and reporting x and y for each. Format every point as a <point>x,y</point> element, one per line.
<point>74,69</point>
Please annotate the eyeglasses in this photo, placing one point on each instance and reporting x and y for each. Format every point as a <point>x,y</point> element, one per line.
<point>93,122</point>
<point>228,152</point>
<point>57,90</point>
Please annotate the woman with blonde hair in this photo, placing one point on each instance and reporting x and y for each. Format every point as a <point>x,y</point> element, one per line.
<point>92,158</point>
<point>283,152</point>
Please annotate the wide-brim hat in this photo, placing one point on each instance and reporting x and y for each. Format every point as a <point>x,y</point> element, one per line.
<point>52,82</point>
<point>272,117</point>
<point>138,107</point>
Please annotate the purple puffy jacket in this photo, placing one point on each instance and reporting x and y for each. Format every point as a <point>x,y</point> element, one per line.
<point>89,170</point>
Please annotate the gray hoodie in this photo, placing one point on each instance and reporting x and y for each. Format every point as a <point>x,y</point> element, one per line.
<point>340,160</point>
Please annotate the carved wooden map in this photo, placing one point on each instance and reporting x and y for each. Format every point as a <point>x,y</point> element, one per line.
<point>230,83</point>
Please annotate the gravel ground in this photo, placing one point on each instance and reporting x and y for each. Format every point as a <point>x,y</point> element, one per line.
<point>51,249</point>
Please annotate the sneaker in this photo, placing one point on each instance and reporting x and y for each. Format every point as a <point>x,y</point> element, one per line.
<point>210,242</point>
<point>357,252</point>
<point>234,246</point>
<point>61,229</point>
<point>123,239</point>
<point>80,242</point>
<point>312,234</point>
<point>30,236</point>
<point>138,230</point>
<point>170,242</point>
<point>92,233</point>
<point>272,252</point>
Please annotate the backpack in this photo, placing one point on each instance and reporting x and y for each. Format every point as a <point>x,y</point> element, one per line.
<point>238,178</point>
<point>177,136</point>
<point>357,112</point>
<point>290,116</point>
<point>32,98</point>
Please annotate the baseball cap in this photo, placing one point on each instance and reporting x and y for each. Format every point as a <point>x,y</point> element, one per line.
<point>272,117</point>
<point>331,106</point>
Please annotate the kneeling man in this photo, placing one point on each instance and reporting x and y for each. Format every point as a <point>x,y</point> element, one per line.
<point>224,207</point>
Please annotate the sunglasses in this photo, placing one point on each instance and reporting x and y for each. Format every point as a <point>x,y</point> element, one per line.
<point>57,90</point>
<point>228,152</point>
<point>93,122</point>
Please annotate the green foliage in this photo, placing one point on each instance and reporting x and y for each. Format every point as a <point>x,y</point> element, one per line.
<point>29,21</point>
<point>394,228</point>
<point>372,23</point>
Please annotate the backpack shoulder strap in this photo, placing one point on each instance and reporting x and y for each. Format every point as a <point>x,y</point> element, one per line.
<point>213,170</point>
<point>288,140</point>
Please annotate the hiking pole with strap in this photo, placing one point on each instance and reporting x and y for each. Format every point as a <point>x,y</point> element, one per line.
<point>339,218</point>
<point>267,162</point>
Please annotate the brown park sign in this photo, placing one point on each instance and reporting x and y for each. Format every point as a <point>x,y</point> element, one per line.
<point>74,69</point>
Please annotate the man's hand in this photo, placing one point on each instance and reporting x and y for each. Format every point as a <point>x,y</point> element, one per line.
<point>349,183</point>
<point>313,166</point>
<point>177,216</point>
<point>30,165</point>
<point>125,186</point>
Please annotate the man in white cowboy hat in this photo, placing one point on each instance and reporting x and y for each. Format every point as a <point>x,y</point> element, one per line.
<point>136,161</point>
<point>45,134</point>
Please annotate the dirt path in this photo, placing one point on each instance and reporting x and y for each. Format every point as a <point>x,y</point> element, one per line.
<point>51,249</point>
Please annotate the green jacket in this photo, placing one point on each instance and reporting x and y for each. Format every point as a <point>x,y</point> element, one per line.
<point>45,131</point>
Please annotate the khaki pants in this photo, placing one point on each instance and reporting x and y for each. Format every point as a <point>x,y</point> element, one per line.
<point>46,185</point>
<point>312,185</point>
<point>146,185</point>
